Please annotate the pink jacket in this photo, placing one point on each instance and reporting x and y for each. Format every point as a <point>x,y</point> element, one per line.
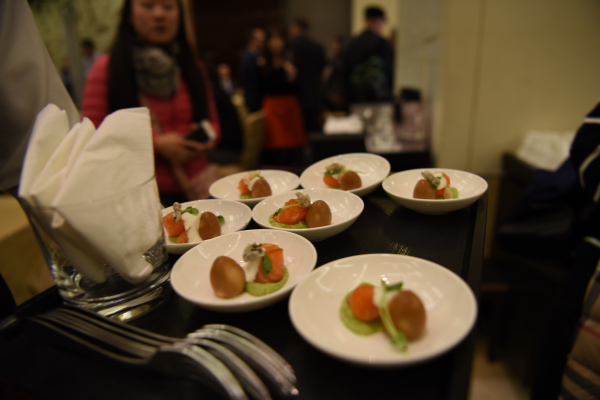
<point>173,114</point>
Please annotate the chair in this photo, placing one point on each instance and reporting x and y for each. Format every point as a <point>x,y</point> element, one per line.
<point>238,101</point>
<point>7,302</point>
<point>254,127</point>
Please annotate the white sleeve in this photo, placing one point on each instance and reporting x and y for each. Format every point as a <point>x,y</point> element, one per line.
<point>29,82</point>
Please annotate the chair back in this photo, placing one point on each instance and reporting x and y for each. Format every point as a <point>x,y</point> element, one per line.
<point>254,128</point>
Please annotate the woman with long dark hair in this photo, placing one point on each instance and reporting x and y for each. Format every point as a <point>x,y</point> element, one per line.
<point>151,64</point>
<point>285,136</point>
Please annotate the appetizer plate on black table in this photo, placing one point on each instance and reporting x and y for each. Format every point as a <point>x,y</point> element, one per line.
<point>345,209</point>
<point>190,274</point>
<point>314,309</point>
<point>236,215</point>
<point>279,181</point>
<point>371,168</point>
<point>400,187</point>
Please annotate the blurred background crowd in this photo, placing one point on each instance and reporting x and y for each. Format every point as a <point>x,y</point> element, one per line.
<point>262,92</point>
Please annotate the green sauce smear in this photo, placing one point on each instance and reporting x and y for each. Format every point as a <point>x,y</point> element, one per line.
<point>245,196</point>
<point>299,225</point>
<point>356,325</point>
<point>454,194</point>
<point>261,289</point>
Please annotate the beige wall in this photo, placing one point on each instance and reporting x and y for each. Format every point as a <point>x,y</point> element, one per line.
<point>508,67</point>
<point>96,20</point>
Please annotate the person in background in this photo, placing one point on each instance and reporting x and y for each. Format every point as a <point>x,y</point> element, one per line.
<point>232,137</point>
<point>249,68</point>
<point>30,82</point>
<point>225,80</point>
<point>571,341</point>
<point>88,55</point>
<point>309,59</point>
<point>369,62</point>
<point>334,97</point>
<point>285,137</point>
<point>66,77</point>
<point>151,64</point>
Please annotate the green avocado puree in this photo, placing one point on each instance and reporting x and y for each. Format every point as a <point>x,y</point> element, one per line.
<point>356,325</point>
<point>262,289</point>
<point>299,225</point>
<point>454,194</point>
<point>245,196</point>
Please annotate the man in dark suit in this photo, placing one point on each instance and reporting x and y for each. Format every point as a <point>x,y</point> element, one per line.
<point>309,59</point>
<point>249,69</point>
<point>369,62</point>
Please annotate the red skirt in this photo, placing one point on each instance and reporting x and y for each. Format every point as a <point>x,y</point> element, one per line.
<point>284,128</point>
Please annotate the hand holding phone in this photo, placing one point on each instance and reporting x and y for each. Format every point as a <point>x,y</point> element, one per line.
<point>203,133</point>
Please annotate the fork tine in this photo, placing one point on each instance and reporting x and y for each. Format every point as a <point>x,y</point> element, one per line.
<point>249,380</point>
<point>212,370</point>
<point>253,356</point>
<point>246,335</point>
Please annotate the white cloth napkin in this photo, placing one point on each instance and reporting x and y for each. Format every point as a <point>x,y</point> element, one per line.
<point>84,187</point>
<point>545,150</point>
<point>340,125</point>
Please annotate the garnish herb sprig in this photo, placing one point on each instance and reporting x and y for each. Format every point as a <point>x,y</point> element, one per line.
<point>330,173</point>
<point>191,210</point>
<point>398,338</point>
<point>283,208</point>
<point>267,265</point>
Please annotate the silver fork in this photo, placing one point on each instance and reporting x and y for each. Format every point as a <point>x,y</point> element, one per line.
<point>258,360</point>
<point>178,359</point>
<point>277,360</point>
<point>137,344</point>
<point>277,373</point>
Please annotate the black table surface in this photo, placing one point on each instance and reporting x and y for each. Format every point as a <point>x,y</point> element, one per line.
<point>38,367</point>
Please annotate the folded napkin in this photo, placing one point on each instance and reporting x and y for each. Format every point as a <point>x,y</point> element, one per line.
<point>93,191</point>
<point>545,150</point>
<point>340,125</point>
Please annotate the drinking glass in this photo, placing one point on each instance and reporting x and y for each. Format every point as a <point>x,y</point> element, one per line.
<point>113,296</point>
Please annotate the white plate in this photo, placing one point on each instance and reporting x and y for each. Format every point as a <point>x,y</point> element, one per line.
<point>345,209</point>
<point>400,187</point>
<point>315,303</point>
<point>371,168</point>
<point>237,217</point>
<point>227,187</point>
<point>190,274</point>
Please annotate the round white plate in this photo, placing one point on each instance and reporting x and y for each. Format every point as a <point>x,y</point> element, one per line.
<point>345,209</point>
<point>237,217</point>
<point>371,168</point>
<point>227,187</point>
<point>400,187</point>
<point>315,303</point>
<point>190,274</point>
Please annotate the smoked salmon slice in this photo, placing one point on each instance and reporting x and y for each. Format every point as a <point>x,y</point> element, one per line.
<point>275,253</point>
